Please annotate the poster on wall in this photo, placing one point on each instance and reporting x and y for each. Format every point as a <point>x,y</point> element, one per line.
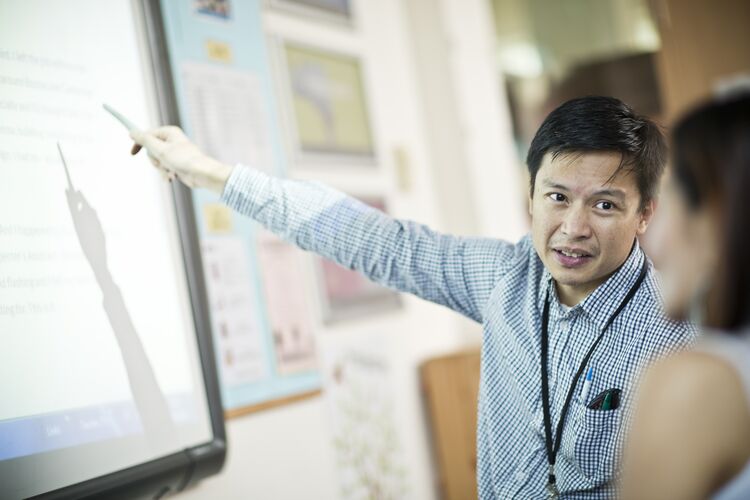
<point>346,294</point>
<point>287,304</point>
<point>359,395</point>
<point>226,105</point>
<point>234,317</point>
<point>225,108</point>
<point>327,102</point>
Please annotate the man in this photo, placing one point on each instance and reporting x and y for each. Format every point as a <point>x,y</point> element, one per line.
<point>570,313</point>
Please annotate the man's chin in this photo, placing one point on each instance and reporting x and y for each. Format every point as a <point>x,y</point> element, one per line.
<point>569,281</point>
<point>572,277</point>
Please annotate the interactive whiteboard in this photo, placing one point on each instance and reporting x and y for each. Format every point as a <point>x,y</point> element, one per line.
<point>104,366</point>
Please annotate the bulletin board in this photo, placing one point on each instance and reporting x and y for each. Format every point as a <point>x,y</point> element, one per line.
<point>261,326</point>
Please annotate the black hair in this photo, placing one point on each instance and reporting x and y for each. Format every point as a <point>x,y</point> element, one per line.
<point>711,151</point>
<point>606,124</point>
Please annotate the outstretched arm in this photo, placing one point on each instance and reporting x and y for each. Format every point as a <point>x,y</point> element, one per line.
<point>456,272</point>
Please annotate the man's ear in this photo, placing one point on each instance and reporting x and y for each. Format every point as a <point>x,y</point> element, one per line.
<point>647,213</point>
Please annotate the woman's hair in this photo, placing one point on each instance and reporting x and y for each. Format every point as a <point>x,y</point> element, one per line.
<point>711,150</point>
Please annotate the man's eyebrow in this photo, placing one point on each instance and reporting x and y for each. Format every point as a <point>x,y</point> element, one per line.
<point>615,193</point>
<point>554,185</point>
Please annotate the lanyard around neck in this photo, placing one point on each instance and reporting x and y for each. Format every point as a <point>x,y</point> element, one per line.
<point>554,446</point>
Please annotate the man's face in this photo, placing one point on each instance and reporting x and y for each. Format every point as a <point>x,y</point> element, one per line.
<point>584,220</point>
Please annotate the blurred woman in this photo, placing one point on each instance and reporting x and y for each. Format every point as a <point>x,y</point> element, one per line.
<point>691,432</point>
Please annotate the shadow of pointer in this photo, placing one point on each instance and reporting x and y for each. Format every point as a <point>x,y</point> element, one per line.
<point>149,399</point>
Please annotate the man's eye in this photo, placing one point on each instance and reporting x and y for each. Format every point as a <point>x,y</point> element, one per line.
<point>605,205</point>
<point>556,197</point>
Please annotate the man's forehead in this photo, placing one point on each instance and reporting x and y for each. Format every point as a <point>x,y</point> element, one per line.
<point>599,159</point>
<point>594,171</point>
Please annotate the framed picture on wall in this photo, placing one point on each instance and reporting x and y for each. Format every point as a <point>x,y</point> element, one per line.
<point>346,294</point>
<point>334,10</point>
<point>326,104</point>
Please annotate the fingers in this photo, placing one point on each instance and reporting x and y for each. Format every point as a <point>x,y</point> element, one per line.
<point>169,133</point>
<point>142,139</point>
<point>148,140</point>
<point>158,143</point>
<point>156,140</point>
<point>154,160</point>
<point>169,176</point>
<point>137,136</point>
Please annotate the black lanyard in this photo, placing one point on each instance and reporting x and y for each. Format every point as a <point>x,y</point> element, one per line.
<point>554,447</point>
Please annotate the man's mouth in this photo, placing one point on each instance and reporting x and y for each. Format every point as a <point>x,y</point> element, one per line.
<point>571,257</point>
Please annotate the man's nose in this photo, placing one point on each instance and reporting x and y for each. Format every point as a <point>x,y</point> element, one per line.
<point>575,223</point>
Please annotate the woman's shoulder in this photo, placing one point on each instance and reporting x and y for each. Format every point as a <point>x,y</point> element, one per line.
<point>690,431</point>
<point>701,395</point>
<point>695,381</point>
<point>731,349</point>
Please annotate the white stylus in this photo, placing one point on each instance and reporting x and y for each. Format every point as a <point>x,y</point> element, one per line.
<point>120,118</point>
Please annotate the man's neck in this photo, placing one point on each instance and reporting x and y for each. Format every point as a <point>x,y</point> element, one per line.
<point>572,295</point>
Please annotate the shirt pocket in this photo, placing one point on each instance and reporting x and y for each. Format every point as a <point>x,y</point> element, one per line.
<point>596,444</point>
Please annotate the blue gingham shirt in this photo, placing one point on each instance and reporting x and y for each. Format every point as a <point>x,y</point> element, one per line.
<point>503,286</point>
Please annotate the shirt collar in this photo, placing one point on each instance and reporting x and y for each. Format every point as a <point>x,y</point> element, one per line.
<point>605,300</point>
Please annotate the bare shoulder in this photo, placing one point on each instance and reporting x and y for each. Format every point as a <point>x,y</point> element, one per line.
<point>692,415</point>
<point>690,377</point>
<point>700,386</point>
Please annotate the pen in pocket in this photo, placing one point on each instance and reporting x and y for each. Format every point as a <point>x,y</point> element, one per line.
<point>606,400</point>
<point>587,385</point>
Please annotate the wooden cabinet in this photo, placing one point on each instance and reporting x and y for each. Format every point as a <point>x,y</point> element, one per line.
<point>450,385</point>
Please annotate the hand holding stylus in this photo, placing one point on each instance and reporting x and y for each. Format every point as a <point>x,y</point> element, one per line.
<point>175,156</point>
<point>170,150</point>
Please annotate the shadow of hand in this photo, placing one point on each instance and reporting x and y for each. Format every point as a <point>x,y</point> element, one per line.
<point>89,231</point>
<point>149,399</point>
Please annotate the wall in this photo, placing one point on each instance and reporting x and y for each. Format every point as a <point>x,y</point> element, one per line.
<point>703,43</point>
<point>445,149</point>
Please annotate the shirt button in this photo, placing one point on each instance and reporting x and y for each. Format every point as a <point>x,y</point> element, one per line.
<point>520,476</point>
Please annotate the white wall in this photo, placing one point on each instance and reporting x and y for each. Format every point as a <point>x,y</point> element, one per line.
<point>463,178</point>
<point>282,453</point>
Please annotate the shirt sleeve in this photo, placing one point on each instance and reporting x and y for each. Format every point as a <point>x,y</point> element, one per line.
<point>456,272</point>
